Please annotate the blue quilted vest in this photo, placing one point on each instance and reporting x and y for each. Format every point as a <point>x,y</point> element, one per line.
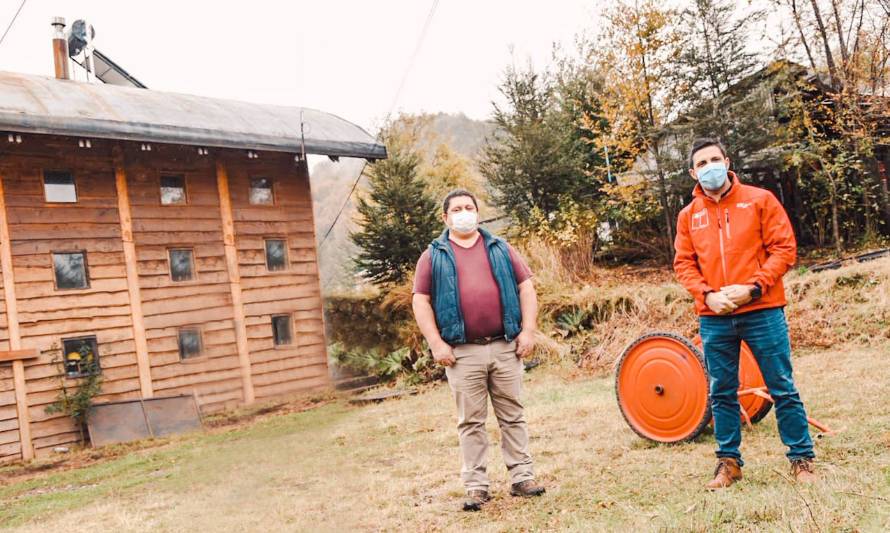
<point>446,296</point>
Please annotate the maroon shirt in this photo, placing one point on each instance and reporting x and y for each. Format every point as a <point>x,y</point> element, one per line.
<point>480,298</point>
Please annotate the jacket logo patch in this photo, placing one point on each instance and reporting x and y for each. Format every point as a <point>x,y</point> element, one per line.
<point>700,219</point>
<point>743,205</point>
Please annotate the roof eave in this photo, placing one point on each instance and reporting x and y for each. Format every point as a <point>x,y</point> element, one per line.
<point>139,132</point>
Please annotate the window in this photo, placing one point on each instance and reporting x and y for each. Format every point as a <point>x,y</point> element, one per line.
<point>172,190</point>
<point>182,265</point>
<point>71,270</point>
<point>190,344</point>
<point>261,191</point>
<point>81,356</point>
<point>276,254</point>
<point>281,330</point>
<point>58,187</point>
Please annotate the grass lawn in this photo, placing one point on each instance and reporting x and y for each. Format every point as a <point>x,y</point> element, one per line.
<point>394,466</point>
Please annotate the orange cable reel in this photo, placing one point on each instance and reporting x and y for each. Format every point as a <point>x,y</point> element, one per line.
<point>661,383</point>
<point>662,387</point>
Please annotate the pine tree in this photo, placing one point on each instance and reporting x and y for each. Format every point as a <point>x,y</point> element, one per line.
<point>398,218</point>
<point>712,56</point>
<point>540,161</point>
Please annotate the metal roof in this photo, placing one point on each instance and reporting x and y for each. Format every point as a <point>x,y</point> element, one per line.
<point>39,104</point>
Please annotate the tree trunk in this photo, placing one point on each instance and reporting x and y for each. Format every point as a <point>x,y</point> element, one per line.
<point>668,222</point>
<point>866,206</point>
<point>797,206</point>
<point>879,171</point>
<point>842,44</point>
<point>835,219</point>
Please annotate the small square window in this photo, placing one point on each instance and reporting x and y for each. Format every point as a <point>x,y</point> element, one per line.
<point>58,187</point>
<point>173,190</point>
<point>276,254</point>
<point>261,191</point>
<point>71,270</point>
<point>81,356</point>
<point>190,344</point>
<point>182,265</point>
<point>281,330</point>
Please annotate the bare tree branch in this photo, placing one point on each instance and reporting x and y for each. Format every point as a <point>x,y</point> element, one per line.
<point>850,33</point>
<point>842,45</point>
<point>803,37</point>
<point>829,57</point>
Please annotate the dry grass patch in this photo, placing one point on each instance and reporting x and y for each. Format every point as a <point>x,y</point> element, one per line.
<point>394,466</point>
<point>589,322</point>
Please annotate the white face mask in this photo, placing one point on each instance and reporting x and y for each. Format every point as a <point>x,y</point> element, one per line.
<point>464,221</point>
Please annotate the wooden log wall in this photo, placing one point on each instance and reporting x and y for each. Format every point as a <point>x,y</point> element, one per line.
<point>92,224</point>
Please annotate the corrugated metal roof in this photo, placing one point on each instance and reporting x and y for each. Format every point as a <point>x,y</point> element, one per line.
<point>38,104</point>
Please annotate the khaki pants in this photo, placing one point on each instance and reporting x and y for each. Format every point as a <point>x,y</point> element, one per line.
<point>479,371</point>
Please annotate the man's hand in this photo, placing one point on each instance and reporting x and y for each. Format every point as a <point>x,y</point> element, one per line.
<point>525,343</point>
<point>720,303</point>
<point>443,353</point>
<point>426,321</point>
<point>738,294</point>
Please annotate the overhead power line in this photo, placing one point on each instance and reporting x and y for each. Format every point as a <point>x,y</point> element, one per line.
<point>395,100</point>
<point>11,22</point>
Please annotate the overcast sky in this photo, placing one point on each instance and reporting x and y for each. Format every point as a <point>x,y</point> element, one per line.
<point>345,57</point>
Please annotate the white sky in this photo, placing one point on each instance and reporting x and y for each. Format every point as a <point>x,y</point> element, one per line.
<point>345,57</point>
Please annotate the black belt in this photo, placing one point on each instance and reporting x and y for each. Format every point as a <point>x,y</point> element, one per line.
<point>485,340</point>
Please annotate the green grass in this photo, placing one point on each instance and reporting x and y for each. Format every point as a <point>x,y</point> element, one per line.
<point>394,466</point>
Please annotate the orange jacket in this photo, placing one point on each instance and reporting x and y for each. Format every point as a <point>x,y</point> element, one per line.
<point>744,238</point>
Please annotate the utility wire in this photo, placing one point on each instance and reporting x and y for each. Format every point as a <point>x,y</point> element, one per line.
<point>11,22</point>
<point>411,60</point>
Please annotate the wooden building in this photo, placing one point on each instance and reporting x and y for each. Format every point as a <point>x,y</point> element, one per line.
<point>171,236</point>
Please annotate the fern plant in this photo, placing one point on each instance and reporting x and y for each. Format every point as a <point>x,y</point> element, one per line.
<point>572,322</point>
<point>385,365</point>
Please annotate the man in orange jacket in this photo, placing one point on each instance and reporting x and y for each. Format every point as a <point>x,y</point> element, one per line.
<point>734,243</point>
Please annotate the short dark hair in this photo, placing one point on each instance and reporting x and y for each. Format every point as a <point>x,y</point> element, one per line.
<point>456,193</point>
<point>704,142</point>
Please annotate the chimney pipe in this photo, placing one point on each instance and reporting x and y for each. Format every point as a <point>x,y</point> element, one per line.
<point>60,48</point>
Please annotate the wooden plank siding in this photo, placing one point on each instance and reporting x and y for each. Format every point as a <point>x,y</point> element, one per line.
<point>204,302</point>
<point>92,224</point>
<point>47,315</point>
<point>10,446</point>
<point>296,290</point>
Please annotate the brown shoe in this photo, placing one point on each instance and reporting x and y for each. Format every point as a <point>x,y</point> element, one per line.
<point>803,471</point>
<point>727,472</point>
<point>526,488</point>
<point>475,500</point>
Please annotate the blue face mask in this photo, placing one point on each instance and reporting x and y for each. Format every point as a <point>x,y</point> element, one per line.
<point>712,176</point>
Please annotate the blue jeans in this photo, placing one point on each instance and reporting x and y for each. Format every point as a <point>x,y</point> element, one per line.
<point>766,333</point>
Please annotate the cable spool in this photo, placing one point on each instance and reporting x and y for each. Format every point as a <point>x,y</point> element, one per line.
<point>661,384</point>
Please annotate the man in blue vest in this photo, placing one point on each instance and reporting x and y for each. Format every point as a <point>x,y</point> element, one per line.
<point>475,304</point>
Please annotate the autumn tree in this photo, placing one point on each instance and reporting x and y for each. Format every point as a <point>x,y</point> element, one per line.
<point>633,55</point>
<point>847,44</point>
<point>446,170</point>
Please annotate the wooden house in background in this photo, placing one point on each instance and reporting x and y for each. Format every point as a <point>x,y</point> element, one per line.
<point>170,236</point>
